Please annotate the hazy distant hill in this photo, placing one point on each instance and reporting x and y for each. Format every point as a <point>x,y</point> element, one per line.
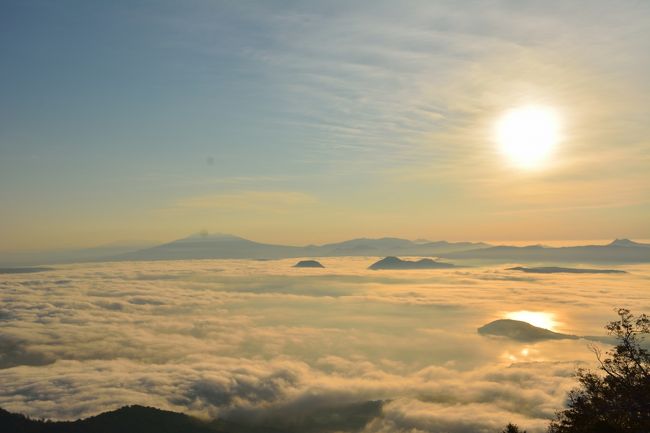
<point>395,247</point>
<point>213,247</point>
<point>618,251</point>
<point>50,257</point>
<point>559,270</point>
<point>233,247</point>
<point>628,243</point>
<point>24,270</point>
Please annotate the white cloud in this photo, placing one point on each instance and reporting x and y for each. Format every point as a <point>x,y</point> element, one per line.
<point>263,341</point>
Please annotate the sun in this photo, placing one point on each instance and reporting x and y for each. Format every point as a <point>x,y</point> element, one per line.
<point>527,135</point>
<point>536,318</point>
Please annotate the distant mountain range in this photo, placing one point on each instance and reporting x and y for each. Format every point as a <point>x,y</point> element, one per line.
<point>222,246</point>
<point>618,251</point>
<point>233,247</point>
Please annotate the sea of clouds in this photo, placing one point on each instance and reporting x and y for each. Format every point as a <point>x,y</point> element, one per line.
<point>264,342</point>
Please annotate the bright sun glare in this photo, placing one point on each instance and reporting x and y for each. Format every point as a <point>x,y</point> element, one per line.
<point>528,134</point>
<point>535,318</point>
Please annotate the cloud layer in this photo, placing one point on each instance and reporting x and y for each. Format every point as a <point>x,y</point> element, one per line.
<point>266,342</point>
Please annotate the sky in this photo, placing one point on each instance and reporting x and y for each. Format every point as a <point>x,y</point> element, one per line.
<point>310,122</point>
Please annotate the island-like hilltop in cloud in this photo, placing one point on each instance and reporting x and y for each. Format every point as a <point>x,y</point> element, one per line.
<point>308,264</point>
<point>526,333</point>
<point>521,331</point>
<point>395,263</point>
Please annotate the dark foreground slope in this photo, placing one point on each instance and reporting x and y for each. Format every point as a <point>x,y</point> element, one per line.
<point>129,419</point>
<point>140,419</point>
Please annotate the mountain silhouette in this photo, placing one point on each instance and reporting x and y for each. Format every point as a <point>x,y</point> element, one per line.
<point>222,246</point>
<point>394,263</point>
<point>521,331</point>
<point>559,270</point>
<point>24,270</point>
<point>618,251</point>
<point>219,246</point>
<point>627,243</point>
<point>128,419</point>
<point>327,418</point>
<point>308,264</point>
<point>15,259</point>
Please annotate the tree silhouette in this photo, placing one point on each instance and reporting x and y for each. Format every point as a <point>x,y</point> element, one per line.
<point>616,398</point>
<point>512,428</point>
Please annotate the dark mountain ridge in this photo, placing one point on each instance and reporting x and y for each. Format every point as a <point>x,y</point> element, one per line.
<point>128,419</point>
<point>395,263</point>
<point>142,419</point>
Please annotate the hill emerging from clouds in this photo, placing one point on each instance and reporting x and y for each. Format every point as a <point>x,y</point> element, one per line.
<point>395,263</point>
<point>521,331</point>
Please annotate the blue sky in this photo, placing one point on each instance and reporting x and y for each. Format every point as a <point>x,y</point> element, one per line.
<point>315,121</point>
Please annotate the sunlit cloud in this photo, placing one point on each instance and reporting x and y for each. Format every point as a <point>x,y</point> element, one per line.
<point>260,340</point>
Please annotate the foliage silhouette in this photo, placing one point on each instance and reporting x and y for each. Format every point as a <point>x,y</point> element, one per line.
<point>615,399</point>
<point>129,419</point>
<point>512,428</point>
